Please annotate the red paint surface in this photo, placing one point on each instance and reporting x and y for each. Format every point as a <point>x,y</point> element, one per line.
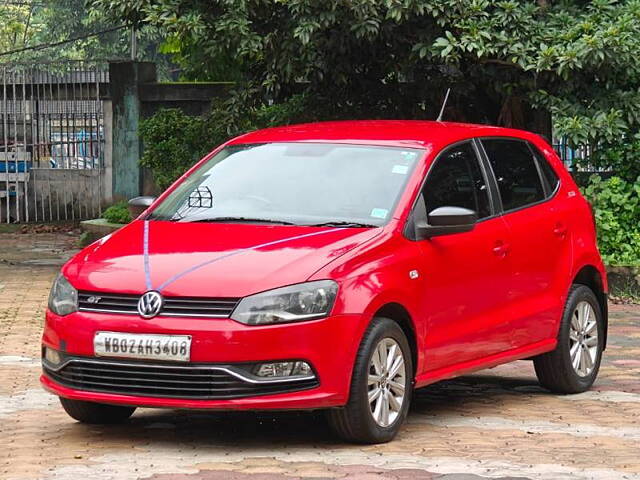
<point>470,307</point>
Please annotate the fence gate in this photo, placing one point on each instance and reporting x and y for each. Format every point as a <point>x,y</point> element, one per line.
<point>51,141</point>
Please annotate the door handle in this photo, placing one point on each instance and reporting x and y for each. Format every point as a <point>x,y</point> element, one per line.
<point>560,230</point>
<point>501,249</point>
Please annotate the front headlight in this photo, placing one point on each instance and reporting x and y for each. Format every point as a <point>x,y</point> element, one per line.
<point>63,298</point>
<point>305,301</point>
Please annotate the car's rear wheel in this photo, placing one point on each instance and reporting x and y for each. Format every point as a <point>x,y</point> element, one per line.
<point>96,413</point>
<point>573,366</point>
<point>381,386</point>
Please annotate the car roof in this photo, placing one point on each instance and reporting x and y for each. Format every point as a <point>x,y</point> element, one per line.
<point>400,133</point>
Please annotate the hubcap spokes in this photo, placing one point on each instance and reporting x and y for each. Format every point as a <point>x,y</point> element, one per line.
<point>386,382</point>
<point>583,339</point>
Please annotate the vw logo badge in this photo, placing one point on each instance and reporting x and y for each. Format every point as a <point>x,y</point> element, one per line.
<point>150,304</point>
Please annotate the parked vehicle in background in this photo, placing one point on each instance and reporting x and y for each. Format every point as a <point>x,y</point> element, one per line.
<point>334,266</point>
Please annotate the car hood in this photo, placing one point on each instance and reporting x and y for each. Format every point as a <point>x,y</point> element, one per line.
<point>208,259</point>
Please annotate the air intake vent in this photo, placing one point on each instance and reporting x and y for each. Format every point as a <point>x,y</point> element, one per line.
<point>173,306</point>
<point>196,381</point>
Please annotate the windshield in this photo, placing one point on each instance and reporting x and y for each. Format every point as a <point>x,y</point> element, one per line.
<point>293,183</point>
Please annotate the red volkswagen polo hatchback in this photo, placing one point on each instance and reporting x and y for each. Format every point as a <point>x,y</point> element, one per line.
<point>334,266</point>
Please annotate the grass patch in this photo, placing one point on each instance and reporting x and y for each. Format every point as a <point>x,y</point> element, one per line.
<point>9,227</point>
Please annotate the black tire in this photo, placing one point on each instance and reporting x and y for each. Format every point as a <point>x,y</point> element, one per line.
<point>554,369</point>
<point>354,422</point>
<point>96,413</point>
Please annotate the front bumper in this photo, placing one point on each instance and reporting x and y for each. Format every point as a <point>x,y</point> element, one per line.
<point>329,345</point>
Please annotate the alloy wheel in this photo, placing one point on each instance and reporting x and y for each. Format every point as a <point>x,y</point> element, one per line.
<point>583,339</point>
<point>386,382</point>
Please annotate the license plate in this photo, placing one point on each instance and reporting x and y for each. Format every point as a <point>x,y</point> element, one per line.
<point>130,345</point>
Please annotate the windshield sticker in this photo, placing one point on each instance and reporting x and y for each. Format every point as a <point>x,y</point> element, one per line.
<point>401,169</point>
<point>409,155</point>
<point>379,213</point>
<point>201,197</point>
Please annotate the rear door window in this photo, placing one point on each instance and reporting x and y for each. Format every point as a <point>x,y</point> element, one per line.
<point>549,176</point>
<point>515,171</point>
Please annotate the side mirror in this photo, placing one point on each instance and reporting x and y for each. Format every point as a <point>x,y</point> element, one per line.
<point>445,221</point>
<point>138,205</point>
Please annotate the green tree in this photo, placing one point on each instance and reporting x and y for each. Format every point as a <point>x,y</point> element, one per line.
<point>616,205</point>
<point>506,61</point>
<point>174,141</point>
<point>16,25</point>
<point>28,23</point>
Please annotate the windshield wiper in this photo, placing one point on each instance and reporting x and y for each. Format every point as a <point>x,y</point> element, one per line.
<point>342,224</point>
<point>238,219</point>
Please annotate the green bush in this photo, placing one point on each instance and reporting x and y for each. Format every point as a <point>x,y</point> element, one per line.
<point>174,141</point>
<point>616,204</point>
<point>623,157</point>
<point>117,213</point>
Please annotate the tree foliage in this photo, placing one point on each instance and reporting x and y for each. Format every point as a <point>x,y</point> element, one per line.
<point>616,205</point>
<point>389,58</point>
<point>27,23</point>
<point>16,27</point>
<point>174,141</point>
<point>622,157</point>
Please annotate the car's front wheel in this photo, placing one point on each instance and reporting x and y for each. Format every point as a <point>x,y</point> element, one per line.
<point>95,413</point>
<point>381,386</point>
<point>573,366</point>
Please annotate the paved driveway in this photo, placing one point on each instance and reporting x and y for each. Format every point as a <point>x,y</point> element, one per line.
<point>495,424</point>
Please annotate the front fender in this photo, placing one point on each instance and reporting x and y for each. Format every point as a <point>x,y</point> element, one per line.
<point>377,277</point>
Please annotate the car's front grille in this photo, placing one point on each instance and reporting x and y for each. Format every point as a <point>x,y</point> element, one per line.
<point>193,381</point>
<point>172,307</point>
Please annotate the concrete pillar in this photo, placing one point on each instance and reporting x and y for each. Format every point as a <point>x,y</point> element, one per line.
<point>126,80</point>
<point>107,179</point>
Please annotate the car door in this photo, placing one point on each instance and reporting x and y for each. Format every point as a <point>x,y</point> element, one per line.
<point>466,274</point>
<point>540,253</point>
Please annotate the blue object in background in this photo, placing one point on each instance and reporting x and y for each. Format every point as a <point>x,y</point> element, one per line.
<point>11,166</point>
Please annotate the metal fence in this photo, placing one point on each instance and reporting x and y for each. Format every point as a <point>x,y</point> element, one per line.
<point>578,160</point>
<point>51,141</point>
<point>572,156</point>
